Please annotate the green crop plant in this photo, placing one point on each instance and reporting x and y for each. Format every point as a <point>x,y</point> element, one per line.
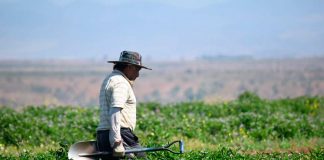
<point>246,128</point>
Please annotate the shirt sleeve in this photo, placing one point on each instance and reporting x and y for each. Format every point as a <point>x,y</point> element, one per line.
<point>119,95</point>
<point>114,132</point>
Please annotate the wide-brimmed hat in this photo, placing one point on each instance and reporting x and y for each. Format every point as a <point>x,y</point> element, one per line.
<point>130,57</point>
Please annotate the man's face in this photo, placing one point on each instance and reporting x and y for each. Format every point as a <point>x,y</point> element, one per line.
<point>132,72</point>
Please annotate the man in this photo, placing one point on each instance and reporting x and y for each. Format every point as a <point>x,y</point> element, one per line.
<point>118,106</point>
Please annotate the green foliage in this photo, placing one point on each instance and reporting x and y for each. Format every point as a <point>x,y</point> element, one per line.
<point>222,153</point>
<point>249,118</point>
<point>41,125</point>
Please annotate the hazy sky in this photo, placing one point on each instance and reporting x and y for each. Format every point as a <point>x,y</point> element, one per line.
<point>160,29</point>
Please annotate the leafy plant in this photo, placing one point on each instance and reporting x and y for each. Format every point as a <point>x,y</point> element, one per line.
<point>228,129</point>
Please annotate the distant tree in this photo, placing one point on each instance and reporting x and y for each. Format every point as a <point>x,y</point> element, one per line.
<point>201,93</point>
<point>40,89</point>
<point>248,95</point>
<point>175,90</point>
<point>62,95</point>
<point>189,71</point>
<point>275,89</point>
<point>217,86</point>
<point>189,94</point>
<point>308,89</point>
<point>156,95</point>
<point>242,88</point>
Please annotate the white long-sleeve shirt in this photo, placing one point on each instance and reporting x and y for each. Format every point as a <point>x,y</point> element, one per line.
<point>117,92</point>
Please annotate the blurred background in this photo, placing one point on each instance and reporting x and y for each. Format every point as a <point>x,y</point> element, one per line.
<point>54,52</point>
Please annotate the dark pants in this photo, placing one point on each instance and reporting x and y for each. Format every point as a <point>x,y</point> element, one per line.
<point>130,140</point>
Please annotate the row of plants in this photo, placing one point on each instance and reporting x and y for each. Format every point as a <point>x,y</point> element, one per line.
<point>209,130</point>
<point>222,153</point>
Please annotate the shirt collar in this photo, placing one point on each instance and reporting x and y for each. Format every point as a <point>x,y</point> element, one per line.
<point>121,73</point>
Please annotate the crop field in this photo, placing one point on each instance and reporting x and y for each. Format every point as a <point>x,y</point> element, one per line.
<point>248,127</point>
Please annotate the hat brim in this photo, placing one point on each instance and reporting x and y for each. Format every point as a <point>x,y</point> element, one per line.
<point>129,63</point>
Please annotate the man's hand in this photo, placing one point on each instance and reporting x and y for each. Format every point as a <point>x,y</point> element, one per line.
<point>118,149</point>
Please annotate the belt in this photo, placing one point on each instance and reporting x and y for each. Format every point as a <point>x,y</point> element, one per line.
<point>122,128</point>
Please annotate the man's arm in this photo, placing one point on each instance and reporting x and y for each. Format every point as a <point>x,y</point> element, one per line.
<point>114,133</point>
<point>118,99</point>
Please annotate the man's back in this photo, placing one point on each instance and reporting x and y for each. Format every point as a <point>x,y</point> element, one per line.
<point>116,91</point>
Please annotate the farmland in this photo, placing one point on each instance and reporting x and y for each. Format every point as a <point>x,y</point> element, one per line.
<point>222,109</point>
<point>248,127</point>
<point>77,83</point>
